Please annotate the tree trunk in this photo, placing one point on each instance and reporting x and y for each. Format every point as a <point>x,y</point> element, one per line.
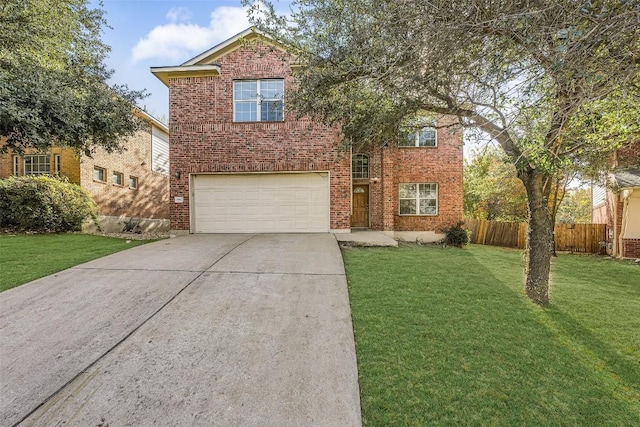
<point>539,247</point>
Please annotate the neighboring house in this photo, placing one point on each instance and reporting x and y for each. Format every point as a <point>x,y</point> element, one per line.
<point>132,184</point>
<point>618,204</point>
<point>242,162</point>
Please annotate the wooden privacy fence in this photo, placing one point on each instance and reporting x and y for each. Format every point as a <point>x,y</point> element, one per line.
<point>586,238</point>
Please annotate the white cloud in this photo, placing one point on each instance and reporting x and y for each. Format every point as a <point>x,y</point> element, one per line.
<point>180,39</point>
<point>178,14</point>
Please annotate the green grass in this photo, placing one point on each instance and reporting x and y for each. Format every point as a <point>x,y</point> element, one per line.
<point>446,337</point>
<point>24,258</point>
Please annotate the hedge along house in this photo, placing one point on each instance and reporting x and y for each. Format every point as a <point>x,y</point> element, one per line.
<point>242,162</point>
<point>128,185</point>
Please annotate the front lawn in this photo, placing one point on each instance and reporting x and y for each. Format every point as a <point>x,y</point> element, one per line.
<point>446,337</point>
<point>26,257</point>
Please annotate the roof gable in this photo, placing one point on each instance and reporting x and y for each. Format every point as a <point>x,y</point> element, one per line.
<point>204,64</point>
<point>231,44</point>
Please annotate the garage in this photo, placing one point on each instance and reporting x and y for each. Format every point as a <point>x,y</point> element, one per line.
<point>261,203</point>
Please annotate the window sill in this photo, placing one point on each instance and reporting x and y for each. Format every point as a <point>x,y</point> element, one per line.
<point>418,215</point>
<point>421,146</point>
<point>259,121</point>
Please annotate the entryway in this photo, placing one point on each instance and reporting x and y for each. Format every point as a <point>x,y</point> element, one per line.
<point>360,200</point>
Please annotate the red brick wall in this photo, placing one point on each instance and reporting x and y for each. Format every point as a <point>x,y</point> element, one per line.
<point>441,165</point>
<point>205,139</point>
<point>631,248</point>
<point>149,200</point>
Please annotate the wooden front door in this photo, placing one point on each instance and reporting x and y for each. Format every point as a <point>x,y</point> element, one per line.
<point>360,216</point>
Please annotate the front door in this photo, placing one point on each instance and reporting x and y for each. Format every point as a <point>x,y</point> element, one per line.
<point>360,216</point>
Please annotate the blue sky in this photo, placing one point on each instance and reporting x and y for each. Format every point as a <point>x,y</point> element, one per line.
<point>150,33</point>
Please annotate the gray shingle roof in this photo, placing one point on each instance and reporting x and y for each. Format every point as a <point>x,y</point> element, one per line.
<point>627,178</point>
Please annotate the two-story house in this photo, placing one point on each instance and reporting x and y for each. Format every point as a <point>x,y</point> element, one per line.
<point>128,185</point>
<point>242,162</point>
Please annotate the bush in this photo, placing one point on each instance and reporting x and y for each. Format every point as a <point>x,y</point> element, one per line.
<point>44,203</point>
<point>457,235</point>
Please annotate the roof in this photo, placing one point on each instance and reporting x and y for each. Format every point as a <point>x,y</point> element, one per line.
<point>148,117</point>
<point>204,63</point>
<point>627,178</point>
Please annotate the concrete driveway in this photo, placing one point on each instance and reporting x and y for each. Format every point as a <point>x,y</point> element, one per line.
<point>212,330</point>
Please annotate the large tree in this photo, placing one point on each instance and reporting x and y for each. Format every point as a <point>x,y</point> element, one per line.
<point>522,72</point>
<point>54,82</point>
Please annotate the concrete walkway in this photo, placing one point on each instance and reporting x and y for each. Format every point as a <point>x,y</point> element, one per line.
<point>366,238</point>
<point>211,330</point>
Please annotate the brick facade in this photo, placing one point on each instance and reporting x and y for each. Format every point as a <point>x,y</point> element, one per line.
<point>394,165</point>
<point>205,139</point>
<point>149,200</point>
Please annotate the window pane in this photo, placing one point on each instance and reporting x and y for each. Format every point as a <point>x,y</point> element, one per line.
<point>245,90</point>
<point>98,174</point>
<point>36,164</point>
<point>407,138</point>
<point>271,111</point>
<point>133,182</point>
<point>408,191</point>
<point>360,166</point>
<point>271,89</point>
<point>427,137</point>
<point>428,207</point>
<point>246,112</point>
<point>427,191</point>
<point>407,207</point>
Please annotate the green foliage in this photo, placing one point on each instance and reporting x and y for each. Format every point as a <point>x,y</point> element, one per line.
<point>575,207</point>
<point>492,189</point>
<point>53,80</point>
<point>457,235</point>
<point>528,75</point>
<point>44,203</point>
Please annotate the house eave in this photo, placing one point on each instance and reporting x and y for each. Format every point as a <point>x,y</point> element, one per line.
<point>166,73</point>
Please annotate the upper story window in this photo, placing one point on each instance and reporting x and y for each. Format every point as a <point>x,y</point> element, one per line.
<point>418,137</point>
<point>258,100</point>
<point>37,164</point>
<point>359,166</point>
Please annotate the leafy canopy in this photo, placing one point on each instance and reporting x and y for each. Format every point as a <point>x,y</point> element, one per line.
<point>53,79</point>
<point>533,75</point>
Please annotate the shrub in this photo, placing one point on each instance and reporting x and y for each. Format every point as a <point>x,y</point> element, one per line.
<point>44,203</point>
<point>457,235</point>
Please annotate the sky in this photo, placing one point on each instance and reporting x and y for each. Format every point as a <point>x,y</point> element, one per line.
<point>153,33</point>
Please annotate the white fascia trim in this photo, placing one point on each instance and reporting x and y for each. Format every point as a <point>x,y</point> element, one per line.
<point>183,68</point>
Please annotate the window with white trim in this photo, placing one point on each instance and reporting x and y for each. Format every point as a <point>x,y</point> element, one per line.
<point>99,174</point>
<point>418,137</point>
<point>359,166</point>
<point>133,182</point>
<point>258,100</point>
<point>16,163</point>
<point>37,164</point>
<point>418,199</point>
<point>117,178</point>
<point>56,164</point>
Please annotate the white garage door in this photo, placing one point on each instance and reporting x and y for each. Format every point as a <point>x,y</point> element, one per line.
<point>261,203</point>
